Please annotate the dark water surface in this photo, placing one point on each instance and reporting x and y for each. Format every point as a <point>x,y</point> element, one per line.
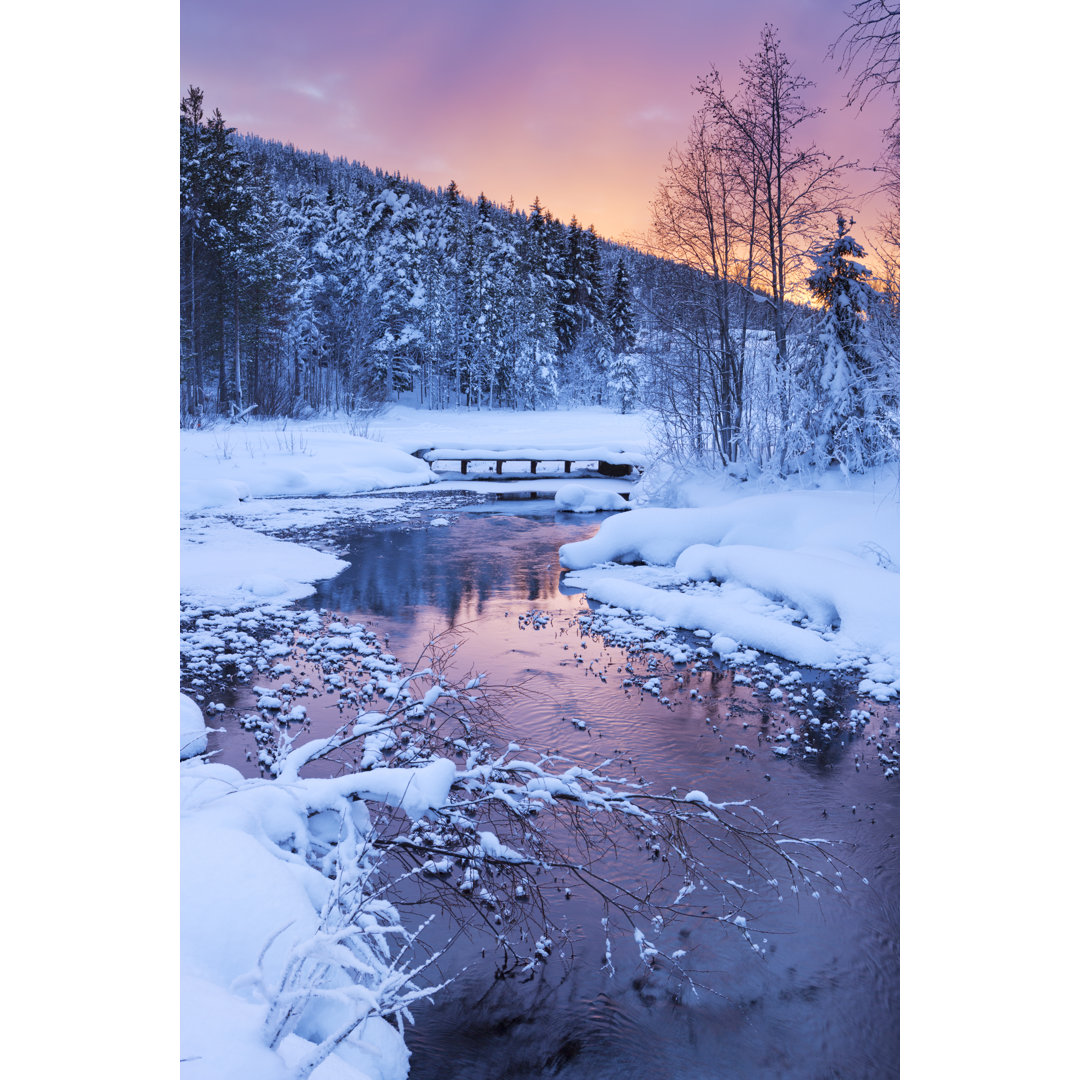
<point>824,1000</point>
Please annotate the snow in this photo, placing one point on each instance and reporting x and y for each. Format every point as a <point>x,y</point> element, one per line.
<point>226,465</point>
<point>247,906</point>
<point>861,601</point>
<point>192,728</point>
<point>556,451</point>
<point>807,575</point>
<point>579,499</point>
<point>860,524</point>
<point>729,620</point>
<point>408,429</point>
<point>416,791</point>
<point>221,563</point>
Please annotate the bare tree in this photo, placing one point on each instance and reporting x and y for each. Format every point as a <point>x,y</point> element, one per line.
<point>743,204</point>
<point>869,51</point>
<point>697,222</point>
<point>871,40</point>
<point>795,187</point>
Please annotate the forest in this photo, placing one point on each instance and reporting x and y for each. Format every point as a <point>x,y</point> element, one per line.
<point>748,321</point>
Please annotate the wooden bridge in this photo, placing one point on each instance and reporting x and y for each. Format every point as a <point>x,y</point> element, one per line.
<point>609,462</point>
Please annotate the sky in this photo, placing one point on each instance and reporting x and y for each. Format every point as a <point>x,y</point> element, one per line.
<point>577,102</point>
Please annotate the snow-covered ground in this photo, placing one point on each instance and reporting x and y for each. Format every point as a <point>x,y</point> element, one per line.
<point>809,574</point>
<point>226,465</point>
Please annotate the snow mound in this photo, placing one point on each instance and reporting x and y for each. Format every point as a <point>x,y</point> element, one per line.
<point>579,499</point>
<point>861,602</point>
<point>806,575</point>
<point>192,729</point>
<point>222,467</point>
<point>253,905</point>
<point>857,523</point>
<point>221,563</point>
<point>734,619</point>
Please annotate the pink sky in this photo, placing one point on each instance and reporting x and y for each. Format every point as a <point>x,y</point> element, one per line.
<point>577,101</point>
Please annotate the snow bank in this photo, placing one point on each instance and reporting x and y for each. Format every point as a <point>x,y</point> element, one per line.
<point>253,904</point>
<point>223,564</point>
<point>727,619</point>
<point>222,466</point>
<point>861,602</point>
<point>810,576</point>
<point>192,728</point>
<point>579,499</point>
<point>858,523</point>
<point>544,430</point>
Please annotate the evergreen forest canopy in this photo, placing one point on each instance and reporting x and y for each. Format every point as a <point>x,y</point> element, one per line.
<point>316,285</point>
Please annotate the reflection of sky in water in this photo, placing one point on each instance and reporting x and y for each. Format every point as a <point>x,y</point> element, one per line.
<point>459,570</point>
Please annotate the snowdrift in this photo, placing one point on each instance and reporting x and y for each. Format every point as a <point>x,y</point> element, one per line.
<point>810,576</point>
<point>579,499</point>
<point>222,466</point>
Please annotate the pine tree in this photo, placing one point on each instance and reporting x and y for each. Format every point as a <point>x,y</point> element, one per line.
<point>855,428</point>
<point>535,377</point>
<point>216,235</point>
<point>622,371</point>
<point>571,290</point>
<point>446,292</point>
<point>192,212</point>
<point>394,237</point>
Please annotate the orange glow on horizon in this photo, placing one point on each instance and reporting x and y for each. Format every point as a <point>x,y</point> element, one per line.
<point>580,110</point>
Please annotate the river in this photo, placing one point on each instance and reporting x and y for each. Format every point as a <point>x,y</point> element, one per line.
<point>821,998</point>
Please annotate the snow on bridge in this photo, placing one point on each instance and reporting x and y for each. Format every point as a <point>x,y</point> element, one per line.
<point>609,461</point>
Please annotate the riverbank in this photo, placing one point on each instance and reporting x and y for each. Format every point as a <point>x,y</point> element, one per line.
<point>806,569</point>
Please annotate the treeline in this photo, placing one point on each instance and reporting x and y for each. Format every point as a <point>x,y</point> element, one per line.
<point>315,284</point>
<point>754,330</point>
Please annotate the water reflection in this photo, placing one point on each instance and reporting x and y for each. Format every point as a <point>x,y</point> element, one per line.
<point>455,571</point>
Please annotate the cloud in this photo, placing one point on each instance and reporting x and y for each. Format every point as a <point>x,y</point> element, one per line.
<point>654,114</point>
<point>307,90</point>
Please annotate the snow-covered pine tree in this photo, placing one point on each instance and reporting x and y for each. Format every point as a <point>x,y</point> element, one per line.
<point>853,424</point>
<point>622,369</point>
<point>446,296</point>
<point>395,242</point>
<point>262,301</point>
<point>571,289</point>
<point>215,203</point>
<point>192,212</point>
<point>535,379</point>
